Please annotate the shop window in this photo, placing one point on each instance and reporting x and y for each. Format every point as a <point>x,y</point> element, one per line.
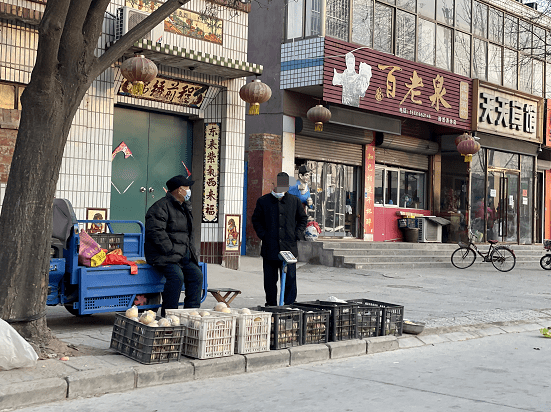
<point>444,40</point>
<point>526,199</point>
<point>503,160</point>
<point>548,49</point>
<point>525,37</point>
<point>303,18</point>
<point>548,81</point>
<point>480,54</point>
<point>495,26</point>
<point>362,25</point>
<point>444,11</point>
<point>426,8</point>
<point>425,42</point>
<point>510,67</point>
<point>494,63</point>
<point>407,4</point>
<point>525,73</point>
<point>382,36</point>
<point>405,31</point>
<point>453,194</point>
<point>399,187</point>
<point>539,43</point>
<point>337,12</point>
<point>462,60</point>
<point>463,14</point>
<point>510,28</point>
<point>480,19</point>
<point>537,78</point>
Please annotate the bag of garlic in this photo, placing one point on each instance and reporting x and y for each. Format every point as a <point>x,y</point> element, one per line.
<point>15,352</point>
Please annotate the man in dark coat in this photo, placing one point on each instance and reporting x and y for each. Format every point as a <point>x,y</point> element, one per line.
<point>279,221</point>
<point>169,245</point>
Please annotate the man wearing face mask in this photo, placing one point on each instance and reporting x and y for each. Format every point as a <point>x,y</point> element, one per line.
<point>169,245</point>
<point>279,221</point>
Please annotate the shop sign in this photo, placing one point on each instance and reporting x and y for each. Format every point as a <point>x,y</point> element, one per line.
<point>211,173</point>
<point>167,90</point>
<point>376,81</point>
<point>507,113</point>
<point>369,195</point>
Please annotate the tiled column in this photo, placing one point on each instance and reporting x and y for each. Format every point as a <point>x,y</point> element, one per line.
<point>264,164</point>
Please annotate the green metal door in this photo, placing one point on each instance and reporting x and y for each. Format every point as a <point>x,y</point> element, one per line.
<point>149,148</point>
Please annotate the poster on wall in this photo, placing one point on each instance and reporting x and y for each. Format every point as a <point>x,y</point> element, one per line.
<point>211,172</point>
<point>95,214</point>
<point>231,233</point>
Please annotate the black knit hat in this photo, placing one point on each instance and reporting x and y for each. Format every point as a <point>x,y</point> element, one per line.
<point>178,181</point>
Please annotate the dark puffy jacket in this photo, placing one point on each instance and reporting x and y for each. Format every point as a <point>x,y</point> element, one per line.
<point>168,232</point>
<point>279,224</point>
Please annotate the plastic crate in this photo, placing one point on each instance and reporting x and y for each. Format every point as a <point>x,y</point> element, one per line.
<point>208,337</point>
<point>369,321</point>
<point>286,329</point>
<point>315,325</point>
<point>252,332</point>
<point>343,321</point>
<point>392,316</point>
<point>109,241</point>
<point>146,344</point>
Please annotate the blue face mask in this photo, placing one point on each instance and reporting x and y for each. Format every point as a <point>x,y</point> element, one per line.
<point>278,195</point>
<point>188,195</point>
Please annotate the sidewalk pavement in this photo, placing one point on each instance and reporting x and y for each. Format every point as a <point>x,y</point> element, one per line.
<point>456,305</point>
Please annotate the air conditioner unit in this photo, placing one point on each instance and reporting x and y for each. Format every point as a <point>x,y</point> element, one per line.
<point>429,231</point>
<point>128,18</point>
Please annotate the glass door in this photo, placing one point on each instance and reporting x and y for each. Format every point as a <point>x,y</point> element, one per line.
<point>501,215</point>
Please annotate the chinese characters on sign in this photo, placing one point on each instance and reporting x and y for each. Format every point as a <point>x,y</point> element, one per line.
<point>211,172</point>
<point>509,114</point>
<point>170,91</point>
<point>369,197</point>
<point>389,84</point>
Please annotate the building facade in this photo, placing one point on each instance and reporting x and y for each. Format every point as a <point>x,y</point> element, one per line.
<point>122,148</point>
<point>403,80</point>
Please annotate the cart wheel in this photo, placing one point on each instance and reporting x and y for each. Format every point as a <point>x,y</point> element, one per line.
<point>73,311</point>
<point>545,262</point>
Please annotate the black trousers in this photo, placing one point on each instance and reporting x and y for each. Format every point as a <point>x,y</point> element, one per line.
<point>272,271</point>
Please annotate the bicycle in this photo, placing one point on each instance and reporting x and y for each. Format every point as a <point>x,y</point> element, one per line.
<point>545,261</point>
<point>502,257</point>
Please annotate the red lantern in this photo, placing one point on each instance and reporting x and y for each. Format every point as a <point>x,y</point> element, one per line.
<point>460,138</point>
<point>319,115</point>
<point>468,148</point>
<point>138,70</point>
<point>255,93</point>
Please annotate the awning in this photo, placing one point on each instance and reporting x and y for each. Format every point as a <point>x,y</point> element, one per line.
<point>199,62</point>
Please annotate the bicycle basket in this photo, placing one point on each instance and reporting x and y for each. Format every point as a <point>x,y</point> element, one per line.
<point>547,243</point>
<point>463,244</point>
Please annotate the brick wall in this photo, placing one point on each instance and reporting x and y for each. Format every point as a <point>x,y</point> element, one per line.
<point>9,125</point>
<point>265,160</point>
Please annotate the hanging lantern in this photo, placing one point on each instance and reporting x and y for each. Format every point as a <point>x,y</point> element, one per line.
<point>319,115</point>
<point>460,138</point>
<point>255,93</point>
<point>138,70</point>
<point>468,148</point>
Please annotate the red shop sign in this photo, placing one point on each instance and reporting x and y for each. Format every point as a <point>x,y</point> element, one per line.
<point>371,80</point>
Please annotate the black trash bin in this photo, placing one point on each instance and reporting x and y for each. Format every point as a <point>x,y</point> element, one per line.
<point>411,235</point>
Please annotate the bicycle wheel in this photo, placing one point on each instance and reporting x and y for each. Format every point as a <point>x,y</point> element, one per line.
<point>463,257</point>
<point>503,259</point>
<point>545,262</point>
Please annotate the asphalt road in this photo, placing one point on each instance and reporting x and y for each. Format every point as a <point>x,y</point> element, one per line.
<point>508,372</point>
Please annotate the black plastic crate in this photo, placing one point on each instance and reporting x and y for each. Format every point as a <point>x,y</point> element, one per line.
<point>109,241</point>
<point>315,325</point>
<point>146,344</point>
<point>286,329</point>
<point>343,321</point>
<point>392,316</point>
<point>409,222</point>
<point>369,321</point>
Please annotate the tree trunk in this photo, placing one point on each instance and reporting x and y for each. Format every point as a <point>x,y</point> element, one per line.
<point>64,70</point>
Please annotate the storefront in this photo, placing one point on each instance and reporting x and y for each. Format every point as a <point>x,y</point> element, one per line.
<point>502,177</point>
<point>401,169</point>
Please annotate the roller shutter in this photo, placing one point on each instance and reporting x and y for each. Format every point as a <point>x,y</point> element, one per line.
<point>403,159</point>
<point>322,150</point>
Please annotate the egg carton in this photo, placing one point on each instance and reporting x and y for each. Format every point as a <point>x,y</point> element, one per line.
<point>211,336</point>
<point>252,331</point>
<point>146,344</point>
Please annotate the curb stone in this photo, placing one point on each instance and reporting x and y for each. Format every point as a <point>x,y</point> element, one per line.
<point>125,374</point>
